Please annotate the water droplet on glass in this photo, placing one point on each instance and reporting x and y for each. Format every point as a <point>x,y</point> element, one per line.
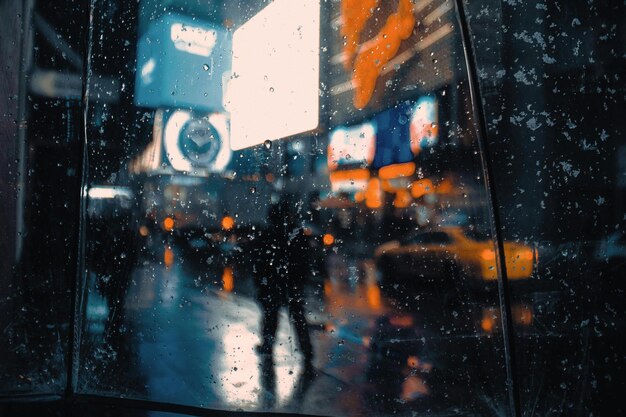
<point>205,67</point>
<point>267,144</point>
<point>271,89</point>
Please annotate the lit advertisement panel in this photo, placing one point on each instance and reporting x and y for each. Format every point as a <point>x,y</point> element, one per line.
<point>381,53</point>
<point>196,143</point>
<point>181,63</point>
<point>405,130</point>
<point>349,181</point>
<point>273,92</point>
<point>353,145</point>
<point>424,124</point>
<point>393,142</point>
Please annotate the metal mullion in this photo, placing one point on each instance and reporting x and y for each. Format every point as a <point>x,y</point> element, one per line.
<point>486,156</point>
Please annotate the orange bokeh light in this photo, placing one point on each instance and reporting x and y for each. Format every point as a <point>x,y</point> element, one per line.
<point>228,279</point>
<point>487,324</point>
<point>374,297</point>
<point>168,224</point>
<point>228,223</point>
<point>168,257</point>
<point>421,187</point>
<point>374,194</point>
<point>397,170</point>
<point>349,175</point>
<point>445,187</point>
<point>403,199</point>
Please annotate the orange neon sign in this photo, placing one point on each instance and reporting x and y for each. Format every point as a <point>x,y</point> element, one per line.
<point>350,175</point>
<point>405,169</point>
<point>368,60</point>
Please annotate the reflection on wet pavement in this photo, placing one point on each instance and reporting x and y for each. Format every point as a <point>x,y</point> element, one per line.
<point>188,333</point>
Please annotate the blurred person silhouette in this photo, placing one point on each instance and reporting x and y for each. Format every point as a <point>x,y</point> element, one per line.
<point>280,270</point>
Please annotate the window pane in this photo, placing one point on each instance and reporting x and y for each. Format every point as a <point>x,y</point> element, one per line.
<point>40,159</point>
<point>281,274</point>
<point>553,90</point>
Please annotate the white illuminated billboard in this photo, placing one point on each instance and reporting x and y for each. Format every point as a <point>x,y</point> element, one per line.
<point>352,145</point>
<point>274,89</point>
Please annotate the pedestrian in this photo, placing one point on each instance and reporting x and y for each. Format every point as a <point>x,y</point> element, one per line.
<point>270,288</point>
<point>280,271</point>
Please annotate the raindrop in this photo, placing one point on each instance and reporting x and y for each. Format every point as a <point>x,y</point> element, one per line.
<point>205,67</point>
<point>253,190</point>
<point>267,144</point>
<point>271,89</point>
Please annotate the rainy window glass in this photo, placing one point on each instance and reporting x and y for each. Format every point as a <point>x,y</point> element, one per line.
<point>39,140</point>
<point>430,238</point>
<point>319,207</point>
<point>278,208</point>
<point>559,169</point>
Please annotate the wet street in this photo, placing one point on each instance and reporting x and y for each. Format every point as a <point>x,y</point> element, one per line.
<point>188,332</point>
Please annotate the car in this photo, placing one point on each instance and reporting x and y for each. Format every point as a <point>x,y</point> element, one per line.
<point>450,251</point>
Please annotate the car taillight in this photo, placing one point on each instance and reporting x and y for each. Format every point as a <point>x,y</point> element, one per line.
<point>488,254</point>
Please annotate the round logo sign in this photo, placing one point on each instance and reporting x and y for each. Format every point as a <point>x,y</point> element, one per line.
<point>199,141</point>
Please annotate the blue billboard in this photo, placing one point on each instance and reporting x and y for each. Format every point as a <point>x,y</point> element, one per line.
<point>183,63</point>
<point>393,140</point>
<point>405,130</point>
